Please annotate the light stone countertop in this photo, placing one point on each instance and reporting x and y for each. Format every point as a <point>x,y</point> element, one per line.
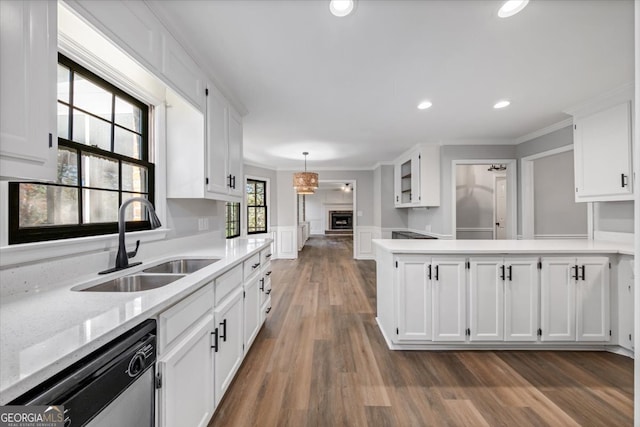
<point>504,247</point>
<point>43,331</point>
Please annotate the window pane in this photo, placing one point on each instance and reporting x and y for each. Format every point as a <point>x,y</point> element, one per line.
<point>99,206</point>
<point>251,199</point>
<point>67,166</point>
<point>63,121</point>
<point>250,187</point>
<point>63,83</point>
<point>251,217</point>
<point>100,172</point>
<point>135,211</point>
<point>91,97</point>
<point>128,143</point>
<point>42,205</point>
<point>260,199</point>
<point>261,219</point>
<point>128,115</point>
<point>91,131</point>
<point>260,188</point>
<point>134,178</point>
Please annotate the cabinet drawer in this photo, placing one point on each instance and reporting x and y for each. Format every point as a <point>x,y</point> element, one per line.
<point>227,283</point>
<point>265,255</point>
<point>252,266</point>
<point>177,319</point>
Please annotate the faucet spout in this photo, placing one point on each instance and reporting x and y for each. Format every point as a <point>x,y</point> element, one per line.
<point>122,257</point>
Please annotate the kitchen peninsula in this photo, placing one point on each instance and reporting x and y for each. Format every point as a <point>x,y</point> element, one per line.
<point>503,294</point>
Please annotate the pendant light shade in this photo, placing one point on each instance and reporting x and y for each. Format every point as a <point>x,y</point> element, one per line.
<point>305,182</point>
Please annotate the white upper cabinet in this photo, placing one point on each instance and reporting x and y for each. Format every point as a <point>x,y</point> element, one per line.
<point>417,177</point>
<point>603,151</point>
<point>224,148</point>
<point>28,70</point>
<point>182,72</point>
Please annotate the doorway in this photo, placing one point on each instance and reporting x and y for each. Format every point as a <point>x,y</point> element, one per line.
<point>484,199</point>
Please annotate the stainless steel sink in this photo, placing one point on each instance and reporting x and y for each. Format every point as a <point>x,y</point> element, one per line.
<point>181,266</point>
<point>134,283</point>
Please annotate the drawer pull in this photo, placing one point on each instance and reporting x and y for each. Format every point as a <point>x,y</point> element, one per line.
<point>268,310</point>
<point>254,266</point>
<point>268,291</point>
<point>267,256</point>
<point>268,273</point>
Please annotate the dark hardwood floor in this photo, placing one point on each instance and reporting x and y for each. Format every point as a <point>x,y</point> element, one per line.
<point>320,360</point>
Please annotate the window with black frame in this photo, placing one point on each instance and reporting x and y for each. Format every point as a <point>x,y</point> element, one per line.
<point>232,215</point>
<point>256,206</point>
<point>103,160</point>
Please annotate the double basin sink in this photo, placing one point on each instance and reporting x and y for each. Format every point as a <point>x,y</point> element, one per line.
<point>153,277</point>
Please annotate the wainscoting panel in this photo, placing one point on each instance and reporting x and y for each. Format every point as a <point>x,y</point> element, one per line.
<point>363,241</point>
<point>286,243</point>
<point>474,233</point>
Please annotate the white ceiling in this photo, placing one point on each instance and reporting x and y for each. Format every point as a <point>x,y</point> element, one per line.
<point>346,89</point>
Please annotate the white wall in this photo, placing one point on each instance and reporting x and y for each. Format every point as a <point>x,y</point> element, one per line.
<point>556,214</point>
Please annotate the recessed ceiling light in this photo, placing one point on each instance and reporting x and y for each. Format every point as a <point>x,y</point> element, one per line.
<point>511,7</point>
<point>501,104</point>
<point>341,8</point>
<point>424,105</point>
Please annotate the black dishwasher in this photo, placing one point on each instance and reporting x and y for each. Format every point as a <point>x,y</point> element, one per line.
<point>113,386</point>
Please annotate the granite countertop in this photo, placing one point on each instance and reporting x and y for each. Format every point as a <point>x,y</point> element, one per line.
<point>504,247</point>
<point>43,332</point>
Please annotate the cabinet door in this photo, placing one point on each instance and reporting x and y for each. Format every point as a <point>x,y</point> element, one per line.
<point>228,320</point>
<point>397,184</point>
<point>182,72</point>
<point>449,299</point>
<point>186,397</point>
<point>28,61</point>
<point>235,154</point>
<point>603,168</point>
<point>592,299</point>
<point>252,302</point>
<point>217,137</point>
<point>486,303</point>
<point>521,299</point>
<point>413,299</point>
<point>625,302</point>
<point>415,179</point>
<point>558,299</point>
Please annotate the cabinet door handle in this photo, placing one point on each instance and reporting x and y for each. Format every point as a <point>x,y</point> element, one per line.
<point>268,291</point>
<point>397,198</point>
<point>510,273</point>
<point>223,335</point>
<point>268,310</point>
<point>229,180</point>
<point>437,272</point>
<point>215,340</point>
<point>575,272</point>
<point>233,182</point>
<point>429,273</point>
<point>623,180</point>
<point>262,284</point>
<point>502,272</point>
<point>582,267</point>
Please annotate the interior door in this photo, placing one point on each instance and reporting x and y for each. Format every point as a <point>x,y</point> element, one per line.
<point>500,197</point>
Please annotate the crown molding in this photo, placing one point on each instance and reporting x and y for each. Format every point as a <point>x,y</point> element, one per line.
<point>544,131</point>
<point>605,100</point>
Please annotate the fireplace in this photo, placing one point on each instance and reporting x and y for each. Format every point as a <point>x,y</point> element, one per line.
<point>341,220</point>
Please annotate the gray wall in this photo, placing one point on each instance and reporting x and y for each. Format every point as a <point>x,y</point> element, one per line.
<point>273,189</point>
<point>614,216</point>
<point>555,211</point>
<point>440,218</point>
<point>474,201</point>
<point>364,193</point>
<point>390,216</point>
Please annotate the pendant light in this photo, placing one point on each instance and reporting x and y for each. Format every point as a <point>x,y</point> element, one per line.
<point>305,182</point>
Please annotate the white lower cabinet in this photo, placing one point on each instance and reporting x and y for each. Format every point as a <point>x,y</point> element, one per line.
<point>449,298</point>
<point>625,302</point>
<point>186,397</point>
<point>252,317</point>
<point>575,299</point>
<point>413,299</point>
<point>228,320</point>
<point>503,299</point>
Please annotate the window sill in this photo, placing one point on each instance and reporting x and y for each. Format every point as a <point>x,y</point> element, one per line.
<point>40,251</point>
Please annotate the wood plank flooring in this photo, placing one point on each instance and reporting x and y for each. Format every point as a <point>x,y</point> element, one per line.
<point>320,360</point>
